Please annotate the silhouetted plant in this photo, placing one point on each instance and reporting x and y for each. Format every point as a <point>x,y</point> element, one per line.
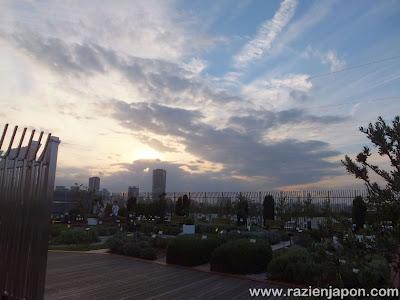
<point>386,138</point>
<point>162,206</point>
<point>179,207</point>
<point>268,208</point>
<point>186,204</point>
<point>359,211</point>
<point>131,204</point>
<point>242,210</point>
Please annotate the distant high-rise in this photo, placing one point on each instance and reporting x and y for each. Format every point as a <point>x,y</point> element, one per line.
<point>94,184</point>
<point>133,192</point>
<point>159,182</point>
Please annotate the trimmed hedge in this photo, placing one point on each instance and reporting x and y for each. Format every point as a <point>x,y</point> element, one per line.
<point>137,246</point>
<point>294,265</point>
<point>188,250</point>
<point>75,236</point>
<point>241,257</point>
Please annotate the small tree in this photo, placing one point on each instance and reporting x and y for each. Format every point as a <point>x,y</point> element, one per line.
<point>162,206</point>
<point>358,212</point>
<point>186,204</point>
<point>386,138</point>
<point>131,204</point>
<point>242,210</point>
<point>268,208</point>
<point>179,207</point>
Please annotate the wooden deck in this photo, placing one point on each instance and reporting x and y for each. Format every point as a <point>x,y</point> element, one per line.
<point>103,276</point>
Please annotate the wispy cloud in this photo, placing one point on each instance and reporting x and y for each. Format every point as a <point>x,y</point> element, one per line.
<point>267,34</point>
<point>329,57</point>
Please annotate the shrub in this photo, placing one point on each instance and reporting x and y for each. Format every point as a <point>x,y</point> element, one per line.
<point>374,273</point>
<point>241,257</point>
<point>358,212</point>
<point>276,236</point>
<point>76,236</point>
<point>146,227</point>
<point>268,208</point>
<point>294,265</point>
<point>137,246</point>
<point>168,229</point>
<point>116,242</point>
<point>189,250</point>
<point>161,242</point>
<point>242,208</point>
<point>57,229</point>
<point>106,230</point>
<point>348,279</point>
<point>148,253</point>
<point>205,228</point>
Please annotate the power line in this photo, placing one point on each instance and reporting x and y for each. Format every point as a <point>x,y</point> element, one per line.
<point>356,101</point>
<point>355,67</point>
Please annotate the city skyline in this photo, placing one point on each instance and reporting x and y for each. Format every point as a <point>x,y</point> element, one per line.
<point>238,96</point>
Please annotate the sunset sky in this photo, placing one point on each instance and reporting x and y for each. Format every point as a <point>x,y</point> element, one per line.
<point>225,95</point>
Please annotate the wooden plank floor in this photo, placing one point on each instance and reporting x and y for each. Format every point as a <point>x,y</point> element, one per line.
<point>99,276</point>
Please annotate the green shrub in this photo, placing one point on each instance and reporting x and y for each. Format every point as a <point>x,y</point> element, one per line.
<point>106,230</point>
<point>148,253</point>
<point>276,236</point>
<point>168,229</point>
<point>268,209</point>
<point>242,257</point>
<point>375,273</point>
<point>294,265</point>
<point>205,228</point>
<point>146,227</point>
<point>116,242</point>
<point>187,250</point>
<point>161,242</point>
<point>76,236</point>
<point>137,246</point>
<point>358,212</point>
<point>348,279</point>
<point>56,230</point>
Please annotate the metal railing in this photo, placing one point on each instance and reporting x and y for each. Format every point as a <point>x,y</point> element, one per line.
<point>27,173</point>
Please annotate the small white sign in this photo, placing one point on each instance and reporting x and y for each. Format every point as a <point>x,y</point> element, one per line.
<point>160,232</point>
<point>153,236</point>
<point>204,237</point>
<point>252,241</point>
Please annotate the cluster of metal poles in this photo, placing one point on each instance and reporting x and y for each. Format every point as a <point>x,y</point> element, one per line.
<point>24,213</point>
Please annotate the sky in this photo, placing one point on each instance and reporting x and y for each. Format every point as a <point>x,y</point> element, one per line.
<point>225,95</point>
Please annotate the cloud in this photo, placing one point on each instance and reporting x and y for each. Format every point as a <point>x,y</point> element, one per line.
<point>266,34</point>
<point>152,79</point>
<point>277,92</point>
<point>327,58</point>
<point>238,147</point>
<point>314,15</point>
<point>139,173</point>
<point>257,122</point>
<point>148,29</point>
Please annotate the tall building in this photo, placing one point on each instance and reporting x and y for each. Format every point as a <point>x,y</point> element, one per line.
<point>133,192</point>
<point>159,182</point>
<point>94,184</point>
